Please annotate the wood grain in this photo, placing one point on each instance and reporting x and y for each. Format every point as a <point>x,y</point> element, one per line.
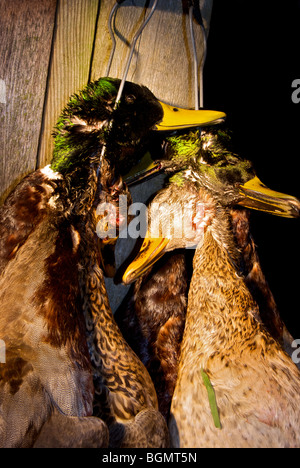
<point>70,63</point>
<point>163,60</point>
<point>26,29</point>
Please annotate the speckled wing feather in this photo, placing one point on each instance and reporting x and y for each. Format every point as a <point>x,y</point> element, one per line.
<point>22,211</point>
<point>62,431</point>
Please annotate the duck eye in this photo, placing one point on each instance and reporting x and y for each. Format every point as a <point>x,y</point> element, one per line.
<point>130,98</point>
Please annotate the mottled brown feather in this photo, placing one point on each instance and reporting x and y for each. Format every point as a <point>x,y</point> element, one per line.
<point>22,211</point>
<point>255,382</point>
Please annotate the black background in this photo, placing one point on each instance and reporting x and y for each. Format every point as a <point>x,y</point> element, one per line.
<point>253,58</point>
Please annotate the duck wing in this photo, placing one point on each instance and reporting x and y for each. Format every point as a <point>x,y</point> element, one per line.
<point>22,211</point>
<point>61,431</point>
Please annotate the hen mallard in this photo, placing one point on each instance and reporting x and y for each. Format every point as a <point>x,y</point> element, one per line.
<point>236,386</point>
<point>152,317</point>
<point>46,230</point>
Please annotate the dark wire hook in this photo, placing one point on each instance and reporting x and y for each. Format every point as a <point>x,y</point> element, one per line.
<point>112,15</point>
<point>196,81</point>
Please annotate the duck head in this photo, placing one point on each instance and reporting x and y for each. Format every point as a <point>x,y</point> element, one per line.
<point>83,124</point>
<point>92,119</point>
<point>213,178</point>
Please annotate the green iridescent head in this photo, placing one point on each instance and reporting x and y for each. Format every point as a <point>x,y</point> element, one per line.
<point>83,127</point>
<point>212,155</point>
<point>208,160</point>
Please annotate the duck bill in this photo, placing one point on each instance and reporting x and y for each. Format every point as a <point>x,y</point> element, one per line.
<point>146,168</point>
<point>176,118</point>
<point>259,197</point>
<point>151,251</point>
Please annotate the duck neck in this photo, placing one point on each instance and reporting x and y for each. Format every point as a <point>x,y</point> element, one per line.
<point>76,161</point>
<point>114,363</point>
<point>219,302</point>
<point>102,330</point>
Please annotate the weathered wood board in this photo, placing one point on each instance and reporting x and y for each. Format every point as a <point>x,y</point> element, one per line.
<point>26,30</point>
<point>50,49</point>
<point>163,60</point>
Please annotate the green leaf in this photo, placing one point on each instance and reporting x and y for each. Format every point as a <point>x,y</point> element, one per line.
<point>211,399</point>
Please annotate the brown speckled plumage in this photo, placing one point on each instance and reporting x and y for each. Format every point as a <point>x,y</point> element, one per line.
<point>24,209</point>
<point>124,393</point>
<point>48,371</point>
<point>256,280</point>
<point>47,362</point>
<point>152,320</point>
<point>256,384</point>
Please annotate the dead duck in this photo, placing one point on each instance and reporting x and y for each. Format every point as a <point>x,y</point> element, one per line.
<point>236,386</point>
<point>152,315</point>
<point>44,221</point>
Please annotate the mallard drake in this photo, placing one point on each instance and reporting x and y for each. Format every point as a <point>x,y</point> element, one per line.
<point>236,386</point>
<point>152,315</point>
<point>43,225</point>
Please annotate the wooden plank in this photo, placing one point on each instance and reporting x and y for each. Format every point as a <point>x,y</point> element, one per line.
<point>163,60</point>
<point>26,30</point>
<point>70,64</point>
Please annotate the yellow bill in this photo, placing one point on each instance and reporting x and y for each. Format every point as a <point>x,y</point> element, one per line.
<point>176,118</point>
<point>259,197</point>
<point>150,252</point>
<point>145,168</point>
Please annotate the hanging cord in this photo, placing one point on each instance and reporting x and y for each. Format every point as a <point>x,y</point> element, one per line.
<point>125,73</point>
<point>196,81</point>
<point>195,12</point>
<point>136,37</point>
<point>112,36</point>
